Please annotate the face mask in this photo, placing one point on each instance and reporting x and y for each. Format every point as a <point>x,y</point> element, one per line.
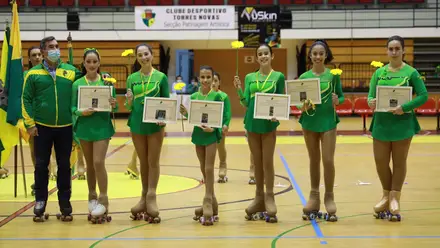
<point>53,55</point>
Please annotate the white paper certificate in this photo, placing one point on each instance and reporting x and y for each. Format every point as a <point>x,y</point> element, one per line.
<point>269,106</point>
<point>95,97</point>
<point>208,113</point>
<point>160,109</point>
<point>303,89</point>
<point>390,97</point>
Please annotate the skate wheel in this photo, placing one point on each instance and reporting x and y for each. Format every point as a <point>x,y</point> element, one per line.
<point>255,216</point>
<point>109,218</point>
<point>216,218</point>
<point>312,216</point>
<point>252,181</point>
<point>89,217</point>
<point>196,218</point>
<point>46,216</point>
<point>58,216</point>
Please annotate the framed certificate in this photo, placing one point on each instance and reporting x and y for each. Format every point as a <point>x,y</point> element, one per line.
<point>208,113</point>
<point>390,97</point>
<point>160,109</point>
<point>303,89</point>
<point>95,97</point>
<point>269,106</point>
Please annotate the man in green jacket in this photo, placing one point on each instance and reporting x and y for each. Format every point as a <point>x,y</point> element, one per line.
<point>46,103</point>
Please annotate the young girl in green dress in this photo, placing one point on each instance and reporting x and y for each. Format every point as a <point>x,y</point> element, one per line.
<point>221,148</point>
<point>319,129</point>
<point>94,130</point>
<point>205,139</point>
<point>145,81</point>
<point>262,133</point>
<point>392,132</point>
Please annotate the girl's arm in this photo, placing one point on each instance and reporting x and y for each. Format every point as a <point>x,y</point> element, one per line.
<point>338,89</point>
<point>127,105</point>
<point>373,83</point>
<point>164,88</point>
<point>420,90</point>
<point>74,102</point>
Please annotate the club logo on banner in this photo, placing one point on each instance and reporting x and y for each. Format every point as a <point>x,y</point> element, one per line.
<point>184,17</point>
<point>257,25</point>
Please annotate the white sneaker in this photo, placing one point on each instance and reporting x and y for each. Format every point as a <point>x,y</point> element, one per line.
<point>99,210</point>
<point>92,205</point>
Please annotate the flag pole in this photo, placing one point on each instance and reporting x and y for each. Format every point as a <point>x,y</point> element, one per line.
<point>22,166</point>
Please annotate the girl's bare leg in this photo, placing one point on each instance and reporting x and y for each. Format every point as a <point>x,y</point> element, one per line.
<point>382,156</point>
<point>154,147</point>
<point>328,147</point>
<point>87,148</point>
<point>201,154</point>
<point>268,141</point>
<point>255,210</point>
<point>80,163</point>
<point>312,140</point>
<point>208,212</point>
<point>141,145</point>
<point>221,147</point>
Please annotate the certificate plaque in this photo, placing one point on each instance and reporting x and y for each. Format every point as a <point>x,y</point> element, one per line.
<point>300,90</point>
<point>388,98</point>
<point>269,106</point>
<point>160,109</point>
<point>95,97</point>
<point>207,113</point>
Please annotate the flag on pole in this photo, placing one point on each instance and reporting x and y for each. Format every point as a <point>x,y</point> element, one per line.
<point>11,76</point>
<point>70,48</point>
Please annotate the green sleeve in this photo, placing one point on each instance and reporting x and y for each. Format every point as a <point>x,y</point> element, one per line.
<point>420,90</point>
<point>27,98</point>
<point>164,87</point>
<point>246,97</point>
<point>78,74</point>
<point>129,107</point>
<point>227,111</point>
<point>116,108</point>
<point>338,89</point>
<point>281,84</point>
<point>372,90</point>
<point>75,110</point>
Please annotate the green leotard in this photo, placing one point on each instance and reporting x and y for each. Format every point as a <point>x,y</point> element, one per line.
<point>155,85</point>
<point>274,83</point>
<point>200,137</point>
<point>324,117</point>
<point>226,106</point>
<point>390,127</point>
<point>97,126</point>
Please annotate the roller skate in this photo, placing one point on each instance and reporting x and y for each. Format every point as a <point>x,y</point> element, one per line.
<point>270,214</point>
<point>132,170</point>
<point>381,210</point>
<point>330,206</point>
<point>81,172</point>
<point>39,211</point>
<point>66,212</point>
<point>394,206</point>
<point>252,181</point>
<point>92,205</point>
<point>198,213</point>
<point>311,210</point>
<point>4,173</point>
<point>100,212</point>
<point>33,189</point>
<point>152,215</point>
<point>222,174</point>
<point>139,210</point>
<point>207,219</point>
<point>255,211</point>
<point>132,174</point>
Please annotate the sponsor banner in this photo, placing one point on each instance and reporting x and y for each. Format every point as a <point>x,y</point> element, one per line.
<point>257,25</point>
<point>184,17</point>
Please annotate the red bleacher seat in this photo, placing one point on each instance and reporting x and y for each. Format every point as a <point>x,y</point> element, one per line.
<point>85,3</point>
<point>101,3</point>
<point>36,3</point>
<point>346,108</point>
<point>235,2</point>
<point>428,108</point>
<point>300,1</point>
<point>185,2</point>
<point>266,2</point>
<point>316,1</point>
<point>7,2</point>
<point>66,3</point>
<point>361,108</point>
<point>295,111</point>
<point>200,2</point>
<point>140,2</point>
<point>52,3</point>
<point>284,2</point>
<point>117,2</point>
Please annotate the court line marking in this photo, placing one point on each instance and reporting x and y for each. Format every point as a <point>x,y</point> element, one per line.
<point>315,225</point>
<point>281,235</point>
<point>53,190</point>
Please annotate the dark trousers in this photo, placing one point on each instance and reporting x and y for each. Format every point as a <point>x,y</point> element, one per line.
<point>61,138</point>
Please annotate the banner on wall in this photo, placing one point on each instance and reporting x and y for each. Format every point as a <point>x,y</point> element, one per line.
<point>257,25</point>
<point>184,17</point>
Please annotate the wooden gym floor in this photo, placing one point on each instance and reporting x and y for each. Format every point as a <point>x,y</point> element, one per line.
<point>357,190</point>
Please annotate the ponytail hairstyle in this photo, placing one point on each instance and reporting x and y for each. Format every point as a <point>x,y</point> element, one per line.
<point>86,52</point>
<point>329,55</point>
<point>29,55</point>
<point>218,76</point>
<point>136,66</point>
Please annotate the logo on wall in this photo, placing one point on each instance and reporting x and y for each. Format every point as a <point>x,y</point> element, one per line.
<point>257,25</point>
<point>148,17</point>
<point>184,17</point>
